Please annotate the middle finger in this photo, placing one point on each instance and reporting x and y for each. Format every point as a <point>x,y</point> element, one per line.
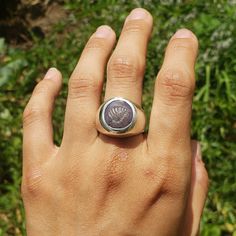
<point>126,65</point>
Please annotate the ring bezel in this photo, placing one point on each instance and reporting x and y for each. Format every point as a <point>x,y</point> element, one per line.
<point>117,130</point>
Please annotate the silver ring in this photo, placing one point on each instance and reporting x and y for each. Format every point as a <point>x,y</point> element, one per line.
<point>120,117</point>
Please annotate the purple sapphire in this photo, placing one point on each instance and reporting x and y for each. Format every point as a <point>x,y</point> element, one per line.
<point>118,114</point>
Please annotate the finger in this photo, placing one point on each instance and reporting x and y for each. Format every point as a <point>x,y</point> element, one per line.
<point>126,65</point>
<point>85,87</point>
<point>37,119</point>
<point>174,87</point>
<point>198,193</point>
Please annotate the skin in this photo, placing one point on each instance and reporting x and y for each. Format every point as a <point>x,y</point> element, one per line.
<point>149,184</point>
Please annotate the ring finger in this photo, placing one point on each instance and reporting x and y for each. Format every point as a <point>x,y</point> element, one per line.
<point>126,65</point>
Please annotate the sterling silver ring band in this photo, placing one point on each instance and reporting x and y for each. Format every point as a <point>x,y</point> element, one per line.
<point>120,117</point>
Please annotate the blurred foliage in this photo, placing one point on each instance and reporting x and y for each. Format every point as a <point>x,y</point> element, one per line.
<point>214,108</point>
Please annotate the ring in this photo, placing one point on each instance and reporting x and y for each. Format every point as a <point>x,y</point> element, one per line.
<point>120,117</point>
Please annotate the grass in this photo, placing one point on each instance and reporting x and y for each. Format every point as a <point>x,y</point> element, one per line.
<point>214,108</point>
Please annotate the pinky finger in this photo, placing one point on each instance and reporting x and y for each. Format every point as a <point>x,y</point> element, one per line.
<point>198,193</point>
<point>37,119</point>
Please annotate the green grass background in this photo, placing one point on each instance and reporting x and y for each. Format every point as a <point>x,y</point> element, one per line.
<point>214,108</point>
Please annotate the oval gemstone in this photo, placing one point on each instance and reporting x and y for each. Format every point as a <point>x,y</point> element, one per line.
<point>118,114</point>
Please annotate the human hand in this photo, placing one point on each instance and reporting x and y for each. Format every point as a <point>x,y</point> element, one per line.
<point>98,185</point>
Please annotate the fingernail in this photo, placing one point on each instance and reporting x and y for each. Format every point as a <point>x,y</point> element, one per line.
<point>51,73</point>
<point>103,31</point>
<point>137,14</point>
<point>183,33</point>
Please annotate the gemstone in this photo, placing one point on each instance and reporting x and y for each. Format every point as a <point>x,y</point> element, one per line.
<point>118,114</point>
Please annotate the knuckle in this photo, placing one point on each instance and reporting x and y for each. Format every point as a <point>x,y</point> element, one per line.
<point>153,176</point>
<point>184,44</point>
<point>96,43</point>
<point>175,182</point>
<point>82,86</point>
<point>32,186</point>
<point>175,85</point>
<point>122,67</point>
<point>32,114</point>
<point>133,26</point>
<point>43,87</point>
<point>173,171</point>
<point>37,107</point>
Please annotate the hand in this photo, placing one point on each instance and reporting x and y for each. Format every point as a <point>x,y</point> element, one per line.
<point>97,185</point>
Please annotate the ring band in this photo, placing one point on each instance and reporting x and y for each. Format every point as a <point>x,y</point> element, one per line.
<point>119,117</point>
